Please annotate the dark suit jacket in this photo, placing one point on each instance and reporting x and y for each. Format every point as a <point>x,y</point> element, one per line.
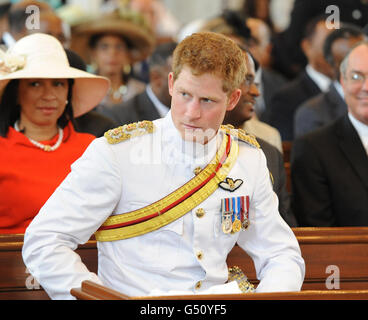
<point>272,81</point>
<point>138,108</point>
<point>329,172</point>
<point>318,111</point>
<point>275,164</point>
<point>94,123</point>
<point>286,101</point>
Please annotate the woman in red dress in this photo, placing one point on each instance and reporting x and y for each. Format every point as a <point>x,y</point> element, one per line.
<point>40,96</point>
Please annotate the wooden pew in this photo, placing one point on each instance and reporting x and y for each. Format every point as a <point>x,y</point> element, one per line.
<point>15,280</point>
<point>288,176</point>
<point>93,291</point>
<point>286,150</point>
<point>346,248</point>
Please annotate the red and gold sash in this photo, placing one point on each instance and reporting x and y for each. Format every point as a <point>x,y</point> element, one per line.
<point>177,203</point>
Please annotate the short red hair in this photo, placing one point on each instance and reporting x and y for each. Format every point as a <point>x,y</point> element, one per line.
<point>209,52</point>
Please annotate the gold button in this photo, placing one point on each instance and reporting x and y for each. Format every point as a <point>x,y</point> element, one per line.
<point>197,170</point>
<point>198,285</point>
<point>200,212</point>
<point>199,255</point>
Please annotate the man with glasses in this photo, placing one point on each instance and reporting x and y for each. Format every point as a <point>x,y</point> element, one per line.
<point>239,117</point>
<point>329,167</point>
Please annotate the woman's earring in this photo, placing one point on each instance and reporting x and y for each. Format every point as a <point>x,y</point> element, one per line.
<point>127,69</point>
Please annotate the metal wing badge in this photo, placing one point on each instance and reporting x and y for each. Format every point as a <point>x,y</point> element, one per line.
<point>230,185</point>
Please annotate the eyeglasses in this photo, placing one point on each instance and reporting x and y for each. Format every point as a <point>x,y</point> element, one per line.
<point>249,80</point>
<point>357,77</point>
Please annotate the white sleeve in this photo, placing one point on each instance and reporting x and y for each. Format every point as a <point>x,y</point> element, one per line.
<point>269,240</point>
<point>72,214</point>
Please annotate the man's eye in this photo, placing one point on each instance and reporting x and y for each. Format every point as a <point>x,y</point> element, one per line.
<point>249,81</point>
<point>357,76</point>
<point>206,100</point>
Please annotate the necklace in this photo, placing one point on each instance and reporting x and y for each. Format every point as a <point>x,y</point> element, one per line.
<point>118,94</point>
<point>43,146</point>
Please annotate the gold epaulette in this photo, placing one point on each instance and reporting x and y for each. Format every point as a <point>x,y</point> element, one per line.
<point>241,135</point>
<point>128,131</point>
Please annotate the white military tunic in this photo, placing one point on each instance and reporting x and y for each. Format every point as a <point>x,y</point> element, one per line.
<point>190,253</point>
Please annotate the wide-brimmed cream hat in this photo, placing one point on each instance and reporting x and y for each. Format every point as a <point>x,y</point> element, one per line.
<point>130,24</point>
<point>42,56</point>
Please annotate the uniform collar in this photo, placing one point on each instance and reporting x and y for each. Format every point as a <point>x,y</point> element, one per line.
<point>187,151</point>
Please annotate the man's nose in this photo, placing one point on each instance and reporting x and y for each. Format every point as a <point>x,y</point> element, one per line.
<point>365,84</point>
<point>254,90</point>
<point>193,109</point>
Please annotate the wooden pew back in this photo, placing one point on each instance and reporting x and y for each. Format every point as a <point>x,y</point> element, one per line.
<point>328,252</point>
<point>15,280</point>
<point>322,248</point>
<point>93,291</point>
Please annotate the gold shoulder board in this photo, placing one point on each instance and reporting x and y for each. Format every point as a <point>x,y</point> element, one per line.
<point>128,131</point>
<point>241,135</point>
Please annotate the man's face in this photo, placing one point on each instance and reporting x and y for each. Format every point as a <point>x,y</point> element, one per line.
<point>249,91</point>
<point>198,104</point>
<point>355,83</point>
<point>261,46</point>
<point>313,49</point>
<point>244,110</point>
<point>159,83</point>
<point>340,49</point>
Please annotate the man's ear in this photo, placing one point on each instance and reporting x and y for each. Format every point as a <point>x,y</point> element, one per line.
<point>343,82</point>
<point>170,79</point>
<point>305,46</point>
<point>233,99</point>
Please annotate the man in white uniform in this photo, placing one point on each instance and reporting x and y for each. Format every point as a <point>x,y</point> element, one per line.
<point>170,198</point>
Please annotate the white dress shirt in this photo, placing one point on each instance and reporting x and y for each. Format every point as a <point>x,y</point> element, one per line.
<point>160,107</point>
<point>339,89</point>
<point>118,178</point>
<point>323,82</point>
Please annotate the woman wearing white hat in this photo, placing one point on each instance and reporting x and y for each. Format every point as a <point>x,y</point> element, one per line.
<point>40,95</point>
